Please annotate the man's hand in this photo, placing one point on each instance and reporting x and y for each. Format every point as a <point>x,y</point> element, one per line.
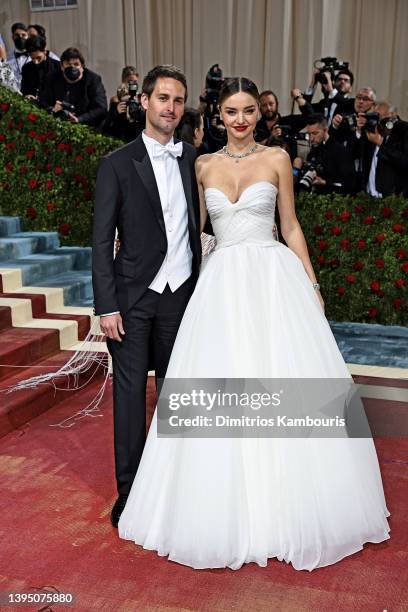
<point>73,118</point>
<point>318,180</point>
<point>111,326</point>
<point>122,106</point>
<point>57,107</point>
<point>329,85</point>
<point>375,137</point>
<point>337,120</point>
<point>298,96</point>
<point>276,131</point>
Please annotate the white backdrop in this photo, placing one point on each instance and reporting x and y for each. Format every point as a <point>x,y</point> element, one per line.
<point>274,42</point>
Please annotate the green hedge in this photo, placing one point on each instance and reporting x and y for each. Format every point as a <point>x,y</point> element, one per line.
<point>358,246</point>
<point>48,169</point>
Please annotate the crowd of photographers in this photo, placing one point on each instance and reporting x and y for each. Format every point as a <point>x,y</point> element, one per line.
<point>341,143</point>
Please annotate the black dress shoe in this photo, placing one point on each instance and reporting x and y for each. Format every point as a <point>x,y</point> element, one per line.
<point>118,508</point>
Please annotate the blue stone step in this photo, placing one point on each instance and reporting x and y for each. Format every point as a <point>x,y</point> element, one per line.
<point>82,256</point>
<point>371,344</point>
<point>77,286</point>
<point>9,225</point>
<point>23,244</point>
<point>36,267</point>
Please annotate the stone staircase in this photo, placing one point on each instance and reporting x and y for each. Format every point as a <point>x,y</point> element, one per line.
<point>45,315</point>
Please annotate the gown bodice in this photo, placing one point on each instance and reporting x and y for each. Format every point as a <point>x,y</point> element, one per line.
<point>250,220</point>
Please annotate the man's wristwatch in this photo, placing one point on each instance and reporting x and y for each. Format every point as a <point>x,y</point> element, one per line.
<point>316,286</point>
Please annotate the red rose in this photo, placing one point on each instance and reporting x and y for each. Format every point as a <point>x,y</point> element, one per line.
<point>336,230</point>
<point>368,220</point>
<point>79,157</point>
<point>318,230</point>
<point>9,167</point>
<point>5,185</point>
<point>30,154</point>
<point>31,213</point>
<point>58,170</point>
<point>64,229</point>
<point>2,137</point>
<point>340,290</point>
<point>4,107</point>
<point>334,263</point>
<point>350,278</point>
<point>321,259</point>
<point>20,125</point>
<point>380,263</point>
<point>375,286</point>
<point>345,244</point>
<point>32,117</point>
<point>358,265</point>
<point>51,206</point>
<point>11,145</point>
<point>398,302</point>
<point>87,195</point>
<point>90,149</point>
<point>32,183</point>
<point>42,137</point>
<point>361,245</point>
<point>380,293</point>
<point>400,282</point>
<point>10,125</point>
<point>61,146</point>
<point>380,237</point>
<point>359,208</point>
<point>397,228</point>
<point>322,244</point>
<point>49,184</point>
<point>32,134</point>
<point>372,313</point>
<point>23,169</point>
<point>386,211</point>
<point>329,215</point>
<point>404,266</point>
<point>345,215</point>
<point>401,254</point>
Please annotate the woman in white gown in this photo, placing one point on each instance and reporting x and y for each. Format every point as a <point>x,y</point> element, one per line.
<point>256,312</point>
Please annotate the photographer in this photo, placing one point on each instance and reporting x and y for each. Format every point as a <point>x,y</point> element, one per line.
<point>329,167</point>
<point>214,130</point>
<point>383,147</point>
<point>273,129</point>
<point>126,117</point>
<point>336,81</point>
<point>35,73</point>
<point>346,123</point>
<point>75,93</point>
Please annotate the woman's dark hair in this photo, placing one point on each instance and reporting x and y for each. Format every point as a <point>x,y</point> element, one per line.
<point>190,121</point>
<point>167,71</point>
<point>39,29</point>
<point>72,53</point>
<point>235,85</point>
<point>128,71</point>
<point>35,43</point>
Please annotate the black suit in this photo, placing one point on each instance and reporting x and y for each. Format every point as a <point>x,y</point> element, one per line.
<point>337,167</point>
<point>87,95</point>
<point>34,76</point>
<point>127,197</point>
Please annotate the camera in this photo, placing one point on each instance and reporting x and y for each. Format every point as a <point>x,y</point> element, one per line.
<point>133,106</point>
<point>307,174</point>
<point>328,64</point>
<point>67,108</point>
<point>373,120</point>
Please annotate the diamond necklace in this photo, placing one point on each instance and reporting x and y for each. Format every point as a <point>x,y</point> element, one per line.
<point>238,156</point>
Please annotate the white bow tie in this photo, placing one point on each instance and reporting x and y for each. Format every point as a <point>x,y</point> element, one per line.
<point>176,150</point>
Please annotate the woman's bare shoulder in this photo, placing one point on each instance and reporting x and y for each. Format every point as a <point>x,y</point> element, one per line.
<point>277,154</point>
<point>204,161</point>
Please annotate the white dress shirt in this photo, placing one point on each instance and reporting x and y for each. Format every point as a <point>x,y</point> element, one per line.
<point>177,265</point>
<point>371,188</point>
<point>16,63</point>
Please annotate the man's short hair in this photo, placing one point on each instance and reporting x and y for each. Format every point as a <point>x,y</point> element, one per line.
<point>268,92</point>
<point>72,53</point>
<point>371,91</point>
<point>40,29</point>
<point>166,71</point>
<point>18,26</point>
<point>35,43</point>
<point>317,118</point>
<point>348,73</point>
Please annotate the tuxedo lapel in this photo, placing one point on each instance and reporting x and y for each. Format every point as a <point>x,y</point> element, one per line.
<point>144,168</point>
<point>185,171</point>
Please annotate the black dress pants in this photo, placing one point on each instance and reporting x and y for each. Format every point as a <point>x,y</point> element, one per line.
<point>151,324</point>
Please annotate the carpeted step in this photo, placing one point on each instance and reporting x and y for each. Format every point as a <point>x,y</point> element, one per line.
<point>37,267</point>
<point>24,244</point>
<point>20,407</point>
<point>77,286</point>
<point>25,347</point>
<point>5,317</point>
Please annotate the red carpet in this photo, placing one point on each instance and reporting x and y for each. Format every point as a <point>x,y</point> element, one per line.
<point>57,492</point>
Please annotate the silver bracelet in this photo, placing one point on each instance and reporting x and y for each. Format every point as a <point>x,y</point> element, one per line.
<point>316,286</point>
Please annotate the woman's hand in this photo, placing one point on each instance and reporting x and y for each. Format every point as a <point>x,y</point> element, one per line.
<point>319,297</point>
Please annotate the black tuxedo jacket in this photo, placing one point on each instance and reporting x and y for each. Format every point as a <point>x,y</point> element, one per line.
<point>127,197</point>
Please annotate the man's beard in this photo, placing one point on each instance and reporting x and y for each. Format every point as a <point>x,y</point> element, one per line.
<point>271,115</point>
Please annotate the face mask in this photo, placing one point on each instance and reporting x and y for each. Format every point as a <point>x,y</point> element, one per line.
<point>72,73</point>
<point>19,43</point>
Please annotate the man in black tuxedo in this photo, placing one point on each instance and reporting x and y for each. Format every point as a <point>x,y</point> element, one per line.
<point>148,191</point>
